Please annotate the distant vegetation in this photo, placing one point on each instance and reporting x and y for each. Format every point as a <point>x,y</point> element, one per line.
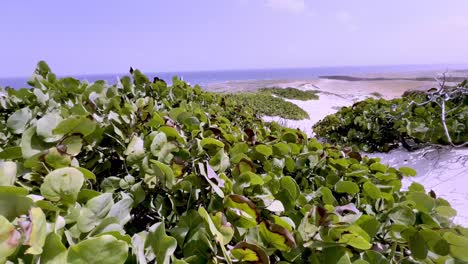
<point>263,104</point>
<point>439,116</point>
<point>143,172</point>
<point>291,93</point>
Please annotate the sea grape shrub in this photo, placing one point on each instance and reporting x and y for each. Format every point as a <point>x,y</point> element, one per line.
<point>142,172</point>
<point>382,125</point>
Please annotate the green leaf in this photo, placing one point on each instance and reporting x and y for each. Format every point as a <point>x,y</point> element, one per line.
<point>121,209</point>
<point>29,144</point>
<point>9,238</point>
<point>104,249</point>
<point>54,252</point>
<point>37,231</point>
<point>95,209</point>
<point>11,153</point>
<point>46,125</point>
<point>241,211</point>
<point>7,173</point>
<point>402,215</point>
<point>62,185</point>
<point>371,190</point>
<point>281,149</point>
<point>276,236</point>
<point>375,257</point>
<point>289,192</point>
<point>164,173</point>
<point>265,150</point>
<point>75,125</point>
<point>211,143</point>
<point>379,167</point>
<point>417,245</point>
<point>219,227</point>
<point>163,245</point>
<point>346,187</point>
<point>18,121</point>
<point>423,202</point>
<point>245,252</point>
<point>458,245</point>
<point>407,171</point>
<point>355,241</point>
<point>13,202</point>
<point>336,255</point>
<point>446,211</point>
<point>56,160</point>
<point>73,145</point>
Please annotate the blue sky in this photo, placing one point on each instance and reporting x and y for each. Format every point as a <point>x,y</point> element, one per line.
<point>88,36</point>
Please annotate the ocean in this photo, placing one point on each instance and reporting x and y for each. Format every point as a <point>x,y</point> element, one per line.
<point>209,77</point>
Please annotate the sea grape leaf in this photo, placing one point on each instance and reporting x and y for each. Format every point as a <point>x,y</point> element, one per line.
<point>73,145</point>
<point>446,211</point>
<point>62,185</point>
<point>29,145</point>
<point>418,247</point>
<point>37,231</point>
<point>54,252</point>
<point>211,143</point>
<point>371,190</point>
<point>346,187</point>
<point>355,241</point>
<point>219,227</point>
<point>7,173</point>
<point>163,245</point>
<point>245,252</point>
<point>265,150</point>
<point>104,249</point>
<point>95,209</point>
<point>402,215</point>
<point>18,121</point>
<point>336,255</point>
<point>46,124</point>
<point>378,167</point>
<point>13,202</point>
<point>374,257</point>
<point>75,125</point>
<point>9,238</point>
<point>407,171</point>
<point>458,245</point>
<point>11,153</point>
<point>121,209</point>
<point>423,202</point>
<point>241,211</point>
<point>164,173</point>
<point>276,236</point>
<point>289,192</point>
<point>56,160</point>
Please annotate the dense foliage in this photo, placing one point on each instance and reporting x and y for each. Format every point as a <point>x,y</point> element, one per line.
<point>140,172</point>
<point>264,104</point>
<point>381,125</point>
<point>291,93</point>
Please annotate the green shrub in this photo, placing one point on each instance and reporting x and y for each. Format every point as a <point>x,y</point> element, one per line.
<point>142,172</point>
<point>380,125</point>
<point>262,104</point>
<point>291,93</point>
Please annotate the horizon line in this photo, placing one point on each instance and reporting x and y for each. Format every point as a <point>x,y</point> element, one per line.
<point>245,69</point>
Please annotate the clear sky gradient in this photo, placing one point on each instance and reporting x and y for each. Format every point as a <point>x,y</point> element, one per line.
<point>90,36</point>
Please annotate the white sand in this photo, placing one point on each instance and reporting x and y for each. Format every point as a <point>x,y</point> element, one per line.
<point>445,171</point>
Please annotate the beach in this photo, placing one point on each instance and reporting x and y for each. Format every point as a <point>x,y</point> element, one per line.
<point>443,170</point>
